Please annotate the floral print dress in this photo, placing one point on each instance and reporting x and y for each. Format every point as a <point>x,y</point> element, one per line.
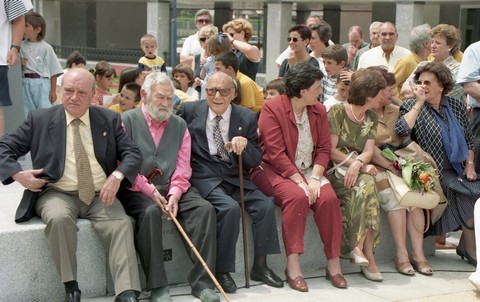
<point>360,207</point>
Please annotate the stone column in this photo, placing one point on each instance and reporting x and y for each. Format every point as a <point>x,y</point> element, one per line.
<point>409,15</point>
<point>158,25</point>
<point>50,10</point>
<point>223,14</point>
<point>278,20</point>
<point>332,14</point>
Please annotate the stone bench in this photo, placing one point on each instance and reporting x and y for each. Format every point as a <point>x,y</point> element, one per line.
<point>29,274</point>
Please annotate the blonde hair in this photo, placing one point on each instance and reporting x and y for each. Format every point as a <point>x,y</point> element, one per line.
<point>238,25</point>
<point>147,37</point>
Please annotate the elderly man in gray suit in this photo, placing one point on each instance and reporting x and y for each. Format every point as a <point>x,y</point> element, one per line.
<point>211,123</point>
<point>80,156</point>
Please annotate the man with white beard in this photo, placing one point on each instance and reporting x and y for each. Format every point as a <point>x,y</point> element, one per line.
<point>164,177</point>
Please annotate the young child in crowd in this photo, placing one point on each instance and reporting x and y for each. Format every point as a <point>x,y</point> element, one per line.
<point>74,60</point>
<point>184,75</point>
<point>334,59</point>
<point>216,45</point>
<point>104,74</point>
<point>274,88</point>
<point>40,65</point>
<point>128,98</point>
<point>150,61</point>
<point>343,81</point>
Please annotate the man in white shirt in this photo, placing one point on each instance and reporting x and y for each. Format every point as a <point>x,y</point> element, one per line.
<point>388,53</point>
<point>191,46</point>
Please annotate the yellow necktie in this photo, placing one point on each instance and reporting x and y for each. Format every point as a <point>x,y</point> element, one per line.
<point>86,188</point>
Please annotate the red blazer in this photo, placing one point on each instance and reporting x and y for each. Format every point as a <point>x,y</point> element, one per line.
<point>279,138</point>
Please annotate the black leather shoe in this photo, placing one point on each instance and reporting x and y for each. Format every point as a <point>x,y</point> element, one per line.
<point>124,299</point>
<point>268,277</point>
<point>226,282</point>
<point>73,296</point>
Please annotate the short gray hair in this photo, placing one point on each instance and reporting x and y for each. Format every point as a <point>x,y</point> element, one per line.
<point>419,35</point>
<point>375,24</point>
<point>202,12</point>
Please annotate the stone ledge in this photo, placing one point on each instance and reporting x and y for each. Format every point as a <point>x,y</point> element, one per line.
<point>30,274</point>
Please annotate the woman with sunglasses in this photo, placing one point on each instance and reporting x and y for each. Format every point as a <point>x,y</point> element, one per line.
<point>439,124</point>
<point>298,40</point>
<point>239,33</point>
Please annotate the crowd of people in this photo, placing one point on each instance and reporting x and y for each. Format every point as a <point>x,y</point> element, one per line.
<point>312,139</point>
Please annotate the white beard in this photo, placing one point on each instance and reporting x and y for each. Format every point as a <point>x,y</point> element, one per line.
<point>158,114</point>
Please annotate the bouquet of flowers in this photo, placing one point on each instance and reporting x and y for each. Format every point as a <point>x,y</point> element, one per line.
<point>418,176</point>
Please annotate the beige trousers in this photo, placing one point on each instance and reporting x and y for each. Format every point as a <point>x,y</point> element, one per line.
<point>59,210</point>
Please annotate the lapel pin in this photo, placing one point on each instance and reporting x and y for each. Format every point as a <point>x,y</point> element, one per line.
<point>239,128</point>
<point>104,133</point>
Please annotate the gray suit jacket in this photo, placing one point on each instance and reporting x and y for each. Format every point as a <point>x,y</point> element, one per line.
<point>43,134</point>
<point>207,170</point>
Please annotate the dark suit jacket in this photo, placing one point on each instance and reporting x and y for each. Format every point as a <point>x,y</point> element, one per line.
<point>43,134</point>
<point>207,170</point>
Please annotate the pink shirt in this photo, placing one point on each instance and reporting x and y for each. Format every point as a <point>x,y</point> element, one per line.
<point>179,182</point>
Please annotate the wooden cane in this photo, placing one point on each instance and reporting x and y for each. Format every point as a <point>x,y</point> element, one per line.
<point>228,146</point>
<point>195,251</point>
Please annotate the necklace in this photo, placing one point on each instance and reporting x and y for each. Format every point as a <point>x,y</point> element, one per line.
<point>359,120</point>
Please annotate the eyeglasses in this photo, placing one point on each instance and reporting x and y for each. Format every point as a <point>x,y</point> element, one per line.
<point>426,83</point>
<point>202,39</point>
<point>294,39</point>
<point>223,91</point>
<point>205,21</point>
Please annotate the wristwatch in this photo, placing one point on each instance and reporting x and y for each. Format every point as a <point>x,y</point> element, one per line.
<point>15,46</point>
<point>118,175</point>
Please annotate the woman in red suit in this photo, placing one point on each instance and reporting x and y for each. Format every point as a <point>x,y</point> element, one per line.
<point>295,139</point>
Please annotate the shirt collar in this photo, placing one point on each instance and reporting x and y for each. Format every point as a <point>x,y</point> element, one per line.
<point>225,116</point>
<point>84,118</point>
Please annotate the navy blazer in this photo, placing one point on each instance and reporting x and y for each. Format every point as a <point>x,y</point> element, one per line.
<point>207,170</point>
<point>43,134</point>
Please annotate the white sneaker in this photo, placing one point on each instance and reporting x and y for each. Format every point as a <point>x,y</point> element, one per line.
<point>475,280</point>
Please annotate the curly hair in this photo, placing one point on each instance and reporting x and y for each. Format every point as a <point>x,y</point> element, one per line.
<point>301,76</point>
<point>441,72</point>
<point>238,25</point>
<point>365,83</point>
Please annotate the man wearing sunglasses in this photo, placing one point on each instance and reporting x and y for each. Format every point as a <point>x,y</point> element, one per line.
<point>215,173</point>
<point>191,46</point>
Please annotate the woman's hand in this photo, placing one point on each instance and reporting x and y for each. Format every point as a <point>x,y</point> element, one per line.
<point>352,174</point>
<point>418,92</point>
<point>308,192</point>
<point>369,169</point>
<point>315,188</point>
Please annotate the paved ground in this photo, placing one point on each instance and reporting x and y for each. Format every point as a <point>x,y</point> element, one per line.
<point>449,282</point>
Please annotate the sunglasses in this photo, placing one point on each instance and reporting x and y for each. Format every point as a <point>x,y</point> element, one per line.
<point>232,34</point>
<point>205,21</point>
<point>223,91</point>
<point>202,39</point>
<point>294,39</point>
<point>426,83</point>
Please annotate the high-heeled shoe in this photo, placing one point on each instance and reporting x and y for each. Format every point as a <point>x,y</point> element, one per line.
<point>377,277</point>
<point>421,267</point>
<point>464,254</point>
<point>297,284</point>
<point>357,259</point>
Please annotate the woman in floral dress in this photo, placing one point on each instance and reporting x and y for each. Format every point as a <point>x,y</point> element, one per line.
<point>353,127</point>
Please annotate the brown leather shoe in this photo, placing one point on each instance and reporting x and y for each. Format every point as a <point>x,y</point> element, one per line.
<point>338,281</point>
<point>297,284</point>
